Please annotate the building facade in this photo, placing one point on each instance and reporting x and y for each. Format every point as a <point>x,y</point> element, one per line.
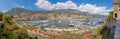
<point>116,11</point>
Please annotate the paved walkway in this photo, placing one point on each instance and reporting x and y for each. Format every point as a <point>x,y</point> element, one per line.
<point>117,31</point>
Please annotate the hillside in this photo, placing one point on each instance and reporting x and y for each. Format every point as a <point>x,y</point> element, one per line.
<point>10,30</point>
<point>20,10</point>
<point>24,14</point>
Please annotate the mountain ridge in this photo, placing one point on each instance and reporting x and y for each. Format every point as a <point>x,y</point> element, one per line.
<point>49,15</point>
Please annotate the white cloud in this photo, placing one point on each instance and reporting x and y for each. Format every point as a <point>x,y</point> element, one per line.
<point>22,6</point>
<point>66,5</point>
<point>44,4</point>
<point>93,9</point>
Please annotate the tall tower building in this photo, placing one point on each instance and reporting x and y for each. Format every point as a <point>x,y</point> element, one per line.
<point>116,10</point>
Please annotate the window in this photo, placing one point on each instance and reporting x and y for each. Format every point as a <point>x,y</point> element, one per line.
<point>115,15</point>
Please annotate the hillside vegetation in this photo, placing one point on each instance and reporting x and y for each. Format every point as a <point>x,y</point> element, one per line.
<point>106,31</point>
<point>10,30</point>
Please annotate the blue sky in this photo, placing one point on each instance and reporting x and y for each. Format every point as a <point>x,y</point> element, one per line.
<point>108,4</point>
<point>6,5</point>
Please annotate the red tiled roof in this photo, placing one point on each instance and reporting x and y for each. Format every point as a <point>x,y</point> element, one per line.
<point>36,30</point>
<point>86,33</point>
